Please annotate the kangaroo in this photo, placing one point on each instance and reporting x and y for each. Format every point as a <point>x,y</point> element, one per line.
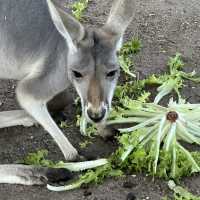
<point>46,49</point>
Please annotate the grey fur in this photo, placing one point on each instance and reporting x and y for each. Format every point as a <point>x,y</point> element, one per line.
<point>46,49</point>
<point>32,175</point>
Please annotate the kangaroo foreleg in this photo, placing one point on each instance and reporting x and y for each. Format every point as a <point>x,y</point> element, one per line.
<point>39,111</point>
<point>37,108</point>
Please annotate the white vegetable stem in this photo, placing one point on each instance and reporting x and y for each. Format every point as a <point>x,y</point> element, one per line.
<point>80,166</point>
<point>65,187</point>
<point>158,141</point>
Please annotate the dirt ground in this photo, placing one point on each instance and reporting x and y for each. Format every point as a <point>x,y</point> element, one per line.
<point>165,27</point>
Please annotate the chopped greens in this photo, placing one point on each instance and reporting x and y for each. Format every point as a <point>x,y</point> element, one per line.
<point>160,131</point>
<point>78,8</point>
<point>129,90</point>
<point>91,176</point>
<point>38,158</point>
<point>181,193</point>
<point>84,144</point>
<point>131,47</point>
<point>86,129</point>
<point>125,64</point>
<point>103,166</point>
<point>134,157</point>
<point>64,125</point>
<point>173,81</point>
<point>168,82</point>
<point>125,56</point>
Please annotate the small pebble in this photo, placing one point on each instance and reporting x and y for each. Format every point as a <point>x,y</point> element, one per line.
<point>128,184</point>
<point>131,196</point>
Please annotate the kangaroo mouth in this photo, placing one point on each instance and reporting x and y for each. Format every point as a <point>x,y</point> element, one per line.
<point>96,116</point>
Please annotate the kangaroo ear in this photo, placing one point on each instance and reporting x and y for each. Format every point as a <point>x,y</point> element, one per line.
<point>68,26</point>
<point>121,15</point>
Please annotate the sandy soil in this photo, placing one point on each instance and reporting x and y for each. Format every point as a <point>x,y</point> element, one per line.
<point>165,27</point>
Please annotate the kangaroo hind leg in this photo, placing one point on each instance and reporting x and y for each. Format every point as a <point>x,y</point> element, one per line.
<point>15,118</point>
<point>32,175</point>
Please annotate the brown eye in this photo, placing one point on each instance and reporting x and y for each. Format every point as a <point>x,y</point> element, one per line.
<point>111,73</point>
<point>77,74</point>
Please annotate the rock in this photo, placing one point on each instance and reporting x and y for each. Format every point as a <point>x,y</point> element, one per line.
<point>131,196</point>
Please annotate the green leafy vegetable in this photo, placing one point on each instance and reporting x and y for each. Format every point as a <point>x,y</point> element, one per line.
<point>78,8</point>
<point>86,128</point>
<point>39,159</point>
<point>84,144</point>
<point>173,81</point>
<point>64,125</point>
<point>130,90</point>
<point>91,176</point>
<point>131,47</point>
<point>126,63</point>
<point>125,56</point>
<point>181,193</point>
<point>103,166</point>
<point>160,130</point>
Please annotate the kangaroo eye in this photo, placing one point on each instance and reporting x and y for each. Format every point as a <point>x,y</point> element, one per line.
<point>77,74</point>
<point>111,73</point>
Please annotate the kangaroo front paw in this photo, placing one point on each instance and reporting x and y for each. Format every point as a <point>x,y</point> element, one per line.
<point>28,122</point>
<point>71,154</point>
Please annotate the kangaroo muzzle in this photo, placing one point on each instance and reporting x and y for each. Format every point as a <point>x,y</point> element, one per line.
<point>96,109</point>
<point>96,116</point>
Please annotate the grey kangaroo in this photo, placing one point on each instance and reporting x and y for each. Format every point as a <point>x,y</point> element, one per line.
<point>46,49</point>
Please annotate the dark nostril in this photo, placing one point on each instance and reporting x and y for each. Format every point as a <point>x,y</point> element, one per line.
<point>96,117</point>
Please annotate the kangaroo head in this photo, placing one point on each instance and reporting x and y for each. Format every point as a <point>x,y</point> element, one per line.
<point>92,57</point>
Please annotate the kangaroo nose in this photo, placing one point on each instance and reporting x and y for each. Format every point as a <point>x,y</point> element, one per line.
<point>96,116</point>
